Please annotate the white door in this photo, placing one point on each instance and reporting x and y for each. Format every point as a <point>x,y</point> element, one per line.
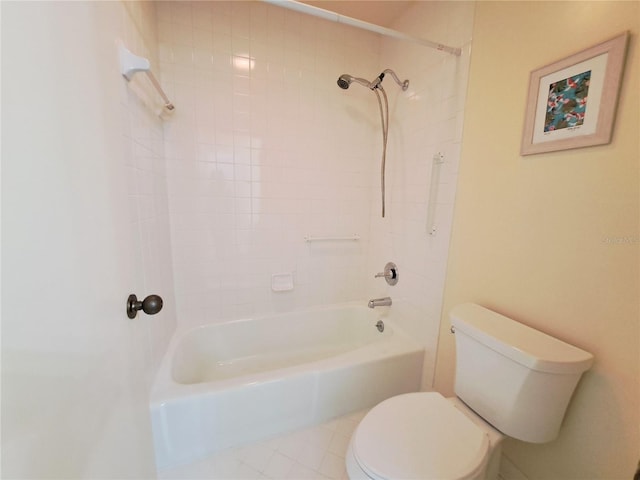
<point>75,369</point>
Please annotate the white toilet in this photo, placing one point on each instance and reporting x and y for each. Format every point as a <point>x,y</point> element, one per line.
<point>511,380</point>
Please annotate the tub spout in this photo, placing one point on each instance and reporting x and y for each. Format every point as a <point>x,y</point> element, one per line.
<point>380,302</point>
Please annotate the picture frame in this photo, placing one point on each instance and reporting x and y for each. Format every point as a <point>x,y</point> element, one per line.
<point>571,103</point>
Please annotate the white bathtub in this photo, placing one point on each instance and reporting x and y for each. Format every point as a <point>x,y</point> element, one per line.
<point>222,385</point>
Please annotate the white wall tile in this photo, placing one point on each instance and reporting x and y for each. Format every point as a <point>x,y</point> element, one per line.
<point>295,155</point>
<point>426,122</point>
<point>275,178</point>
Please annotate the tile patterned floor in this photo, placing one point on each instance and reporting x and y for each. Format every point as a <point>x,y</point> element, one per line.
<point>313,453</point>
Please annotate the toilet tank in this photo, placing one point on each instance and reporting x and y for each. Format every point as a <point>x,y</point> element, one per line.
<point>518,379</point>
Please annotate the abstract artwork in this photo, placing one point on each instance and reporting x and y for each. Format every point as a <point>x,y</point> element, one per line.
<point>567,102</point>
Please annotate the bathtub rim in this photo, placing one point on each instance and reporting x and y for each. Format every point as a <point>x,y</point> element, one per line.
<point>164,388</point>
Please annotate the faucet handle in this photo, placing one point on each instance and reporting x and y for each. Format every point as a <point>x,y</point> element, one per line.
<point>390,273</point>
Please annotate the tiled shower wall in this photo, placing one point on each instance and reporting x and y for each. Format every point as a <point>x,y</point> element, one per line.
<point>263,150</point>
<point>425,121</point>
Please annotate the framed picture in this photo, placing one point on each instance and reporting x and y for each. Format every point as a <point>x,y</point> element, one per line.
<point>572,102</point>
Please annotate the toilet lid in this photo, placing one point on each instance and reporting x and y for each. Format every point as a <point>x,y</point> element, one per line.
<point>420,436</point>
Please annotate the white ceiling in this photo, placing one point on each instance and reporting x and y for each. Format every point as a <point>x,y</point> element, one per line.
<point>379,12</point>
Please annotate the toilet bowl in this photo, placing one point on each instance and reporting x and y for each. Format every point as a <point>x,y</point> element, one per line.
<point>423,436</point>
<point>511,380</point>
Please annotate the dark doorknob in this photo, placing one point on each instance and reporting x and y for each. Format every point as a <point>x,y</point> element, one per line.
<point>150,305</point>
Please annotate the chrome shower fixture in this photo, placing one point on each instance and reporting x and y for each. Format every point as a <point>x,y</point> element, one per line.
<point>345,80</point>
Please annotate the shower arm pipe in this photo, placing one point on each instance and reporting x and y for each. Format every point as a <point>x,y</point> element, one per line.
<point>371,27</point>
<point>404,85</point>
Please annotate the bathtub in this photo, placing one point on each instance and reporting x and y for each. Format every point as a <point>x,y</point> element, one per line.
<point>222,385</point>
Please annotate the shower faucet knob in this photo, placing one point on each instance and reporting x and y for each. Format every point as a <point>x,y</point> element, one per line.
<point>151,305</point>
<point>390,273</point>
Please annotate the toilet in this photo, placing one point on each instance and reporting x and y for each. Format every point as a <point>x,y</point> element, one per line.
<point>511,381</point>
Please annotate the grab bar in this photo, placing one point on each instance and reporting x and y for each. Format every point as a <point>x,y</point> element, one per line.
<point>438,160</point>
<point>310,238</point>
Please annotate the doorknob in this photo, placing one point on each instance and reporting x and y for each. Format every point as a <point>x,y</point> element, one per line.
<point>150,305</point>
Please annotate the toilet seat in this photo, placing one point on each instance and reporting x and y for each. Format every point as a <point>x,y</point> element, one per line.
<point>419,436</point>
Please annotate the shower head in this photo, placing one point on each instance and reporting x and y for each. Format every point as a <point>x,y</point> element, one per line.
<point>345,80</point>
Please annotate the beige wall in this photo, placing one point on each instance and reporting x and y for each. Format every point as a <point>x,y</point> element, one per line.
<point>553,239</point>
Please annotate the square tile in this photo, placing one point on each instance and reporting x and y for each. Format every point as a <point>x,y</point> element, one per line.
<point>332,466</point>
<point>279,466</point>
<point>311,456</point>
<point>312,453</point>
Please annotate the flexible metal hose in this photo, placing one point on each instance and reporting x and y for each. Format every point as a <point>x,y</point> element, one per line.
<point>384,118</point>
<point>345,80</point>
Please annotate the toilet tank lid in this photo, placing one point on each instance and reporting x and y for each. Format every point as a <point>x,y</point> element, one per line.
<point>523,344</point>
